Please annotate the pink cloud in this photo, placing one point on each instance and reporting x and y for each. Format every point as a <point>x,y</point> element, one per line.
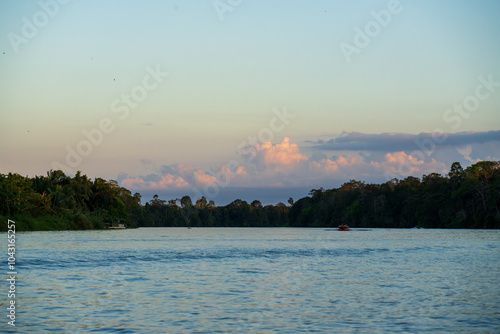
<point>349,160</point>
<point>401,163</point>
<point>165,182</point>
<point>402,157</point>
<point>171,180</point>
<point>133,183</point>
<point>203,178</point>
<point>283,165</point>
<point>325,164</point>
<point>282,154</point>
<point>240,170</point>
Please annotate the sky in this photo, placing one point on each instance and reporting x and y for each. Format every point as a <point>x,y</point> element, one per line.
<point>235,99</point>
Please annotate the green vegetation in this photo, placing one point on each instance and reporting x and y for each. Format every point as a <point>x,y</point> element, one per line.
<point>202,214</point>
<point>60,202</point>
<point>467,198</point>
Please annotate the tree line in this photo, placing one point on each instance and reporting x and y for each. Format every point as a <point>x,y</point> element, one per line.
<point>465,198</point>
<point>61,202</point>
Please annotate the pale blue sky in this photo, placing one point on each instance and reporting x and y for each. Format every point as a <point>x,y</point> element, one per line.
<point>226,76</point>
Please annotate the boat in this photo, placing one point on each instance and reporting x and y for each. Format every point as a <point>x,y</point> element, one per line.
<point>117,224</point>
<point>343,227</point>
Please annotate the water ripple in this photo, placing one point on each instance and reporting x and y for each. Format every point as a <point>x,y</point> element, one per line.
<point>259,281</point>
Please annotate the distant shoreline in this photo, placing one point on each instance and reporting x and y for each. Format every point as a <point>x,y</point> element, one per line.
<point>464,199</point>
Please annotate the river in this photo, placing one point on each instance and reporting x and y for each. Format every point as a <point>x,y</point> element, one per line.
<point>232,280</point>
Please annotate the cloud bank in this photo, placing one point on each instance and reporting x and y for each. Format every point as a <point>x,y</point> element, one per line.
<point>393,142</point>
<point>275,167</point>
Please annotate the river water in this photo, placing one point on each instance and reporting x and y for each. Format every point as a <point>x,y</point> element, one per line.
<point>221,280</point>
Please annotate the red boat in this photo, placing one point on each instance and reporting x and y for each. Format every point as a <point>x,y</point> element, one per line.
<point>343,227</point>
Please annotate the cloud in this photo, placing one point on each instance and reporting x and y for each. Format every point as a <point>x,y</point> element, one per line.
<point>355,166</point>
<point>284,166</point>
<point>324,165</point>
<point>202,177</point>
<point>405,164</point>
<point>349,160</point>
<point>280,156</point>
<point>402,157</point>
<point>180,176</point>
<point>465,151</point>
<point>167,178</point>
<point>164,182</point>
<point>240,170</point>
<point>146,162</point>
<point>394,142</point>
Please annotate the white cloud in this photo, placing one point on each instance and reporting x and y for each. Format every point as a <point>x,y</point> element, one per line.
<point>465,151</point>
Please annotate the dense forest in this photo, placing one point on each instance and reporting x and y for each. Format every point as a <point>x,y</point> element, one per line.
<point>465,198</point>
